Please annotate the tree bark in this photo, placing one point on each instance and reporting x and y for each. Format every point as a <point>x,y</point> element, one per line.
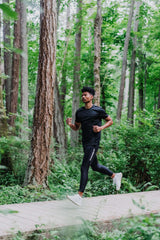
<point>15,68</point>
<point>97,53</point>
<point>76,80</point>
<point>43,112</point>
<point>130,116</point>
<point>124,62</point>
<point>58,123</point>
<point>24,68</point>
<point>63,69</point>
<point>7,60</point>
<point>59,134</point>
<point>142,78</point>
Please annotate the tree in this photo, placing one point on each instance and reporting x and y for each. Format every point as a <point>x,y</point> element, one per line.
<point>24,65</point>
<point>63,68</point>
<point>15,67</point>
<point>59,134</point>
<point>97,53</point>
<point>124,62</point>
<point>133,64</point>
<point>38,164</point>
<point>7,58</point>
<point>76,80</point>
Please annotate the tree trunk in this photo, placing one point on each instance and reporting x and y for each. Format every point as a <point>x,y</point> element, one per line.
<point>142,79</point>
<point>59,134</point>
<point>141,94</point>
<point>76,80</point>
<point>58,123</point>
<point>124,62</point>
<point>133,64</point>
<point>43,112</point>
<point>97,53</point>
<point>7,60</point>
<point>24,68</point>
<point>15,68</point>
<point>63,78</point>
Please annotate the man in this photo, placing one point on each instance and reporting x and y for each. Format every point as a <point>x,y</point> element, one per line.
<point>89,118</point>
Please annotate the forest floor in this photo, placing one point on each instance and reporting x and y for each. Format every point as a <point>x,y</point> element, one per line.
<point>28,217</point>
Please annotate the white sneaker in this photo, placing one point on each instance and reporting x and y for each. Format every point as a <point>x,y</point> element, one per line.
<point>76,199</point>
<point>117,180</point>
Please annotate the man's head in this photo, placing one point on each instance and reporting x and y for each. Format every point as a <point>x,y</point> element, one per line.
<point>88,89</point>
<point>87,94</point>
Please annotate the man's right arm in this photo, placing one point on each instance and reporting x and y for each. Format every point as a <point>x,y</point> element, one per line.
<point>75,126</point>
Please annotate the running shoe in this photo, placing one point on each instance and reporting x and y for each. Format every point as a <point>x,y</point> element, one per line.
<point>117,180</point>
<point>76,199</point>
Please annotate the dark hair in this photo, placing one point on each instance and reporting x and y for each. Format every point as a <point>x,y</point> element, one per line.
<point>88,89</point>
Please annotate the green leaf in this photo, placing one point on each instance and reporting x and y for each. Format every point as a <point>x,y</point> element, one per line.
<point>8,11</point>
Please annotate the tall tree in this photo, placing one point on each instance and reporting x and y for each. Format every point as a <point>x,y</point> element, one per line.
<point>59,134</point>
<point>15,67</point>
<point>58,122</point>
<point>63,68</point>
<point>7,58</point>
<point>24,65</point>
<point>124,61</point>
<point>43,112</point>
<point>76,80</point>
<point>97,53</point>
<point>133,64</point>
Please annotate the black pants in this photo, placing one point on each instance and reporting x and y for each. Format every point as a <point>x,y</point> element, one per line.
<point>90,159</point>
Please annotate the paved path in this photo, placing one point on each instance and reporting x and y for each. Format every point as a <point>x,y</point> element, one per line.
<point>52,214</point>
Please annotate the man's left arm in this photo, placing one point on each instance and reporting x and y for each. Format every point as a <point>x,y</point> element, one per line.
<point>108,123</point>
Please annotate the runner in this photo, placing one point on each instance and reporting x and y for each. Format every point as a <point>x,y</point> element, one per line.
<point>89,118</point>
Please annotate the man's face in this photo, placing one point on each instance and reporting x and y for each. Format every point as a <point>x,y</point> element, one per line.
<point>87,97</point>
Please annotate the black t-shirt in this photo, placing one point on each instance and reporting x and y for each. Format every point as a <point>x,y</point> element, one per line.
<point>88,118</point>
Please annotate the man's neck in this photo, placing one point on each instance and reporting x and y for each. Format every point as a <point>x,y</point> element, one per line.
<point>88,105</point>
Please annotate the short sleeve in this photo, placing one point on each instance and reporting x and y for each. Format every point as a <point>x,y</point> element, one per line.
<point>103,113</point>
<point>77,117</point>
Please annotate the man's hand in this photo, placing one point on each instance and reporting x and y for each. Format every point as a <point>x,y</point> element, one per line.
<point>75,126</point>
<point>69,121</point>
<point>96,129</point>
<point>108,123</point>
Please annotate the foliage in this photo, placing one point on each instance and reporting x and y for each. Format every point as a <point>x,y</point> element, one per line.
<point>13,150</point>
<point>8,11</point>
<point>18,194</point>
<point>141,228</point>
<point>135,152</point>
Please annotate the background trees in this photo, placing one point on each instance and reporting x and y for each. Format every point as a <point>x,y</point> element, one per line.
<point>119,36</point>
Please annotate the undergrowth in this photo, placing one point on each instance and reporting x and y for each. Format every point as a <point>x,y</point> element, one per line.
<point>140,228</point>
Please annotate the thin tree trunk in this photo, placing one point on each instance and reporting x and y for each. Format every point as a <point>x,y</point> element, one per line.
<point>142,80</point>
<point>59,134</point>
<point>43,112</point>
<point>124,62</point>
<point>15,68</point>
<point>6,161</point>
<point>63,78</point>
<point>24,68</point>
<point>7,59</point>
<point>141,94</point>
<point>76,80</point>
<point>58,123</point>
<point>97,53</point>
<point>133,64</point>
